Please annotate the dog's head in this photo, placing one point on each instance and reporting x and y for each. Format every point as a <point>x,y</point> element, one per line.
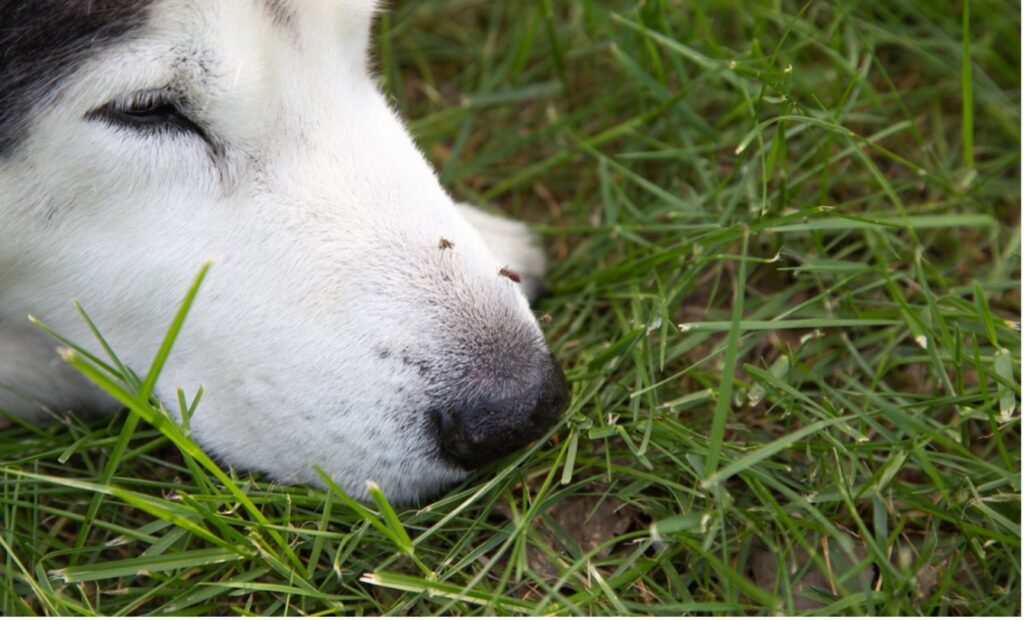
<point>353,318</point>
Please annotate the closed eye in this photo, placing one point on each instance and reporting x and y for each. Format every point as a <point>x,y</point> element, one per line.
<point>149,112</point>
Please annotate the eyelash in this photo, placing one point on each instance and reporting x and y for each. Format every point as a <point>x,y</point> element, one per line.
<point>148,111</point>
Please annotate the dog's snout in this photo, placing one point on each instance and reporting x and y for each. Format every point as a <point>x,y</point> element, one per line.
<point>487,427</point>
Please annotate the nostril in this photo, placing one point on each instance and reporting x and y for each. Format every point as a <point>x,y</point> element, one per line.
<point>488,428</point>
<point>451,434</point>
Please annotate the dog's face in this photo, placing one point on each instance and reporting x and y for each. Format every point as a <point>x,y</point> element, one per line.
<point>335,327</point>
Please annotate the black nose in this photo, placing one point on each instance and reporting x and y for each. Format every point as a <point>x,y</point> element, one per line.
<point>487,427</point>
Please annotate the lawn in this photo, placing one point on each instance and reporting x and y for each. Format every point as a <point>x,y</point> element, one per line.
<point>785,286</point>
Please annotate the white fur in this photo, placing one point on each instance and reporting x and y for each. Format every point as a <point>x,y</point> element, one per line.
<point>323,220</point>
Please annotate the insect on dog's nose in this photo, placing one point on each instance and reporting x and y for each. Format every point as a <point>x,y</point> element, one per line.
<point>487,428</point>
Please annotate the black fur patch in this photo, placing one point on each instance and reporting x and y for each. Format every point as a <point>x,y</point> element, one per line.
<point>44,41</point>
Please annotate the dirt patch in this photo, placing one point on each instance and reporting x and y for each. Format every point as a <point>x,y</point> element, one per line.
<point>574,526</point>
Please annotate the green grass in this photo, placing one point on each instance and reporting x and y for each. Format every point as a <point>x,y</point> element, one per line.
<point>785,287</point>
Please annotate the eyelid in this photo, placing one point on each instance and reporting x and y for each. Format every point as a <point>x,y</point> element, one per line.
<point>140,100</point>
<point>146,98</point>
<point>118,113</point>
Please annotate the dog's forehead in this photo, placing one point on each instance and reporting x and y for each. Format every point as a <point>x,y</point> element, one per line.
<point>252,31</point>
<point>44,42</point>
<point>285,12</point>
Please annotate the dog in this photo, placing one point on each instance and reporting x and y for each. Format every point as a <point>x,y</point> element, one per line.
<point>356,317</point>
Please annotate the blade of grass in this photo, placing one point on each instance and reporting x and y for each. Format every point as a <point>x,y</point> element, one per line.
<point>967,88</point>
<point>144,566</point>
<point>723,404</point>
